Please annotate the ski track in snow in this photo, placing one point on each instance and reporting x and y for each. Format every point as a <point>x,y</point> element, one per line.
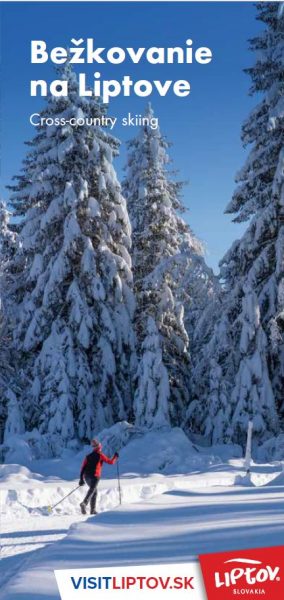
<point>177,501</point>
<point>25,531</point>
<point>29,531</point>
<point>21,537</point>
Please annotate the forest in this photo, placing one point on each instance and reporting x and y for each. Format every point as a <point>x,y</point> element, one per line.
<point>109,311</point>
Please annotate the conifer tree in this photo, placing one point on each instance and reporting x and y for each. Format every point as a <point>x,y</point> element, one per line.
<point>8,243</point>
<point>252,358</point>
<point>256,263</point>
<point>14,423</point>
<point>163,250</point>
<point>74,294</point>
<point>7,236</point>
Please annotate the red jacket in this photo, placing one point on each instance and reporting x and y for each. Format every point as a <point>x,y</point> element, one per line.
<point>93,462</point>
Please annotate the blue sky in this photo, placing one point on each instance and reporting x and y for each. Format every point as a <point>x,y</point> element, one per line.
<point>204,128</point>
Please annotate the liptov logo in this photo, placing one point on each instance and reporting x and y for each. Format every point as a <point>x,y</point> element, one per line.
<point>241,573</point>
<point>252,575</point>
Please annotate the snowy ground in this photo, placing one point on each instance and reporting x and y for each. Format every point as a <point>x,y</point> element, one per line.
<point>165,517</point>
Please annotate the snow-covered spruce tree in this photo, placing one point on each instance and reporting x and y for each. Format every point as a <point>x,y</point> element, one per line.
<point>7,236</point>
<point>252,394</point>
<point>14,423</point>
<point>163,251</point>
<point>200,293</point>
<point>8,245</point>
<point>207,414</point>
<point>8,242</point>
<point>200,290</point>
<point>74,298</point>
<point>256,263</point>
<point>248,340</point>
<point>153,380</point>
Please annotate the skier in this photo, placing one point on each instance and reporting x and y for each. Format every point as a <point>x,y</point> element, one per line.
<point>90,473</point>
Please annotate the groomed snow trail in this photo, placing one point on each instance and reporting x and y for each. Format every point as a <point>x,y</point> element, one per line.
<point>174,526</point>
<point>204,505</point>
<point>24,529</point>
<point>178,500</point>
<point>21,537</point>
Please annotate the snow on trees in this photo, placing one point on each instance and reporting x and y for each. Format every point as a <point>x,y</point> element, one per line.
<point>257,261</point>
<point>252,395</point>
<point>249,349</point>
<point>151,405</point>
<point>7,236</point>
<point>54,386</point>
<point>14,423</point>
<point>71,275</point>
<point>200,292</point>
<point>164,254</point>
<point>209,411</point>
<point>8,243</point>
<point>152,200</point>
<point>74,296</point>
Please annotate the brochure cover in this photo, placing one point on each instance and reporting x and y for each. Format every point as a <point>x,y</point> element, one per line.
<point>142,300</point>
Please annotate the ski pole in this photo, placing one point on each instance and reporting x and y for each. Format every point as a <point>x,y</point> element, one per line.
<point>118,481</point>
<point>50,508</point>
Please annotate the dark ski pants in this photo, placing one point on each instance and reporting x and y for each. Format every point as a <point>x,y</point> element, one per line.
<point>91,495</point>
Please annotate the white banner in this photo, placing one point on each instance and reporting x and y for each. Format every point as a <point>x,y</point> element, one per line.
<point>162,582</point>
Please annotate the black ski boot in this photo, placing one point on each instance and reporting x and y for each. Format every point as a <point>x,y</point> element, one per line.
<point>83,508</point>
<point>93,512</point>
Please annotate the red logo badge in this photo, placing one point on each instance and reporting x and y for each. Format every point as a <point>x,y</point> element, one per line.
<point>244,574</point>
